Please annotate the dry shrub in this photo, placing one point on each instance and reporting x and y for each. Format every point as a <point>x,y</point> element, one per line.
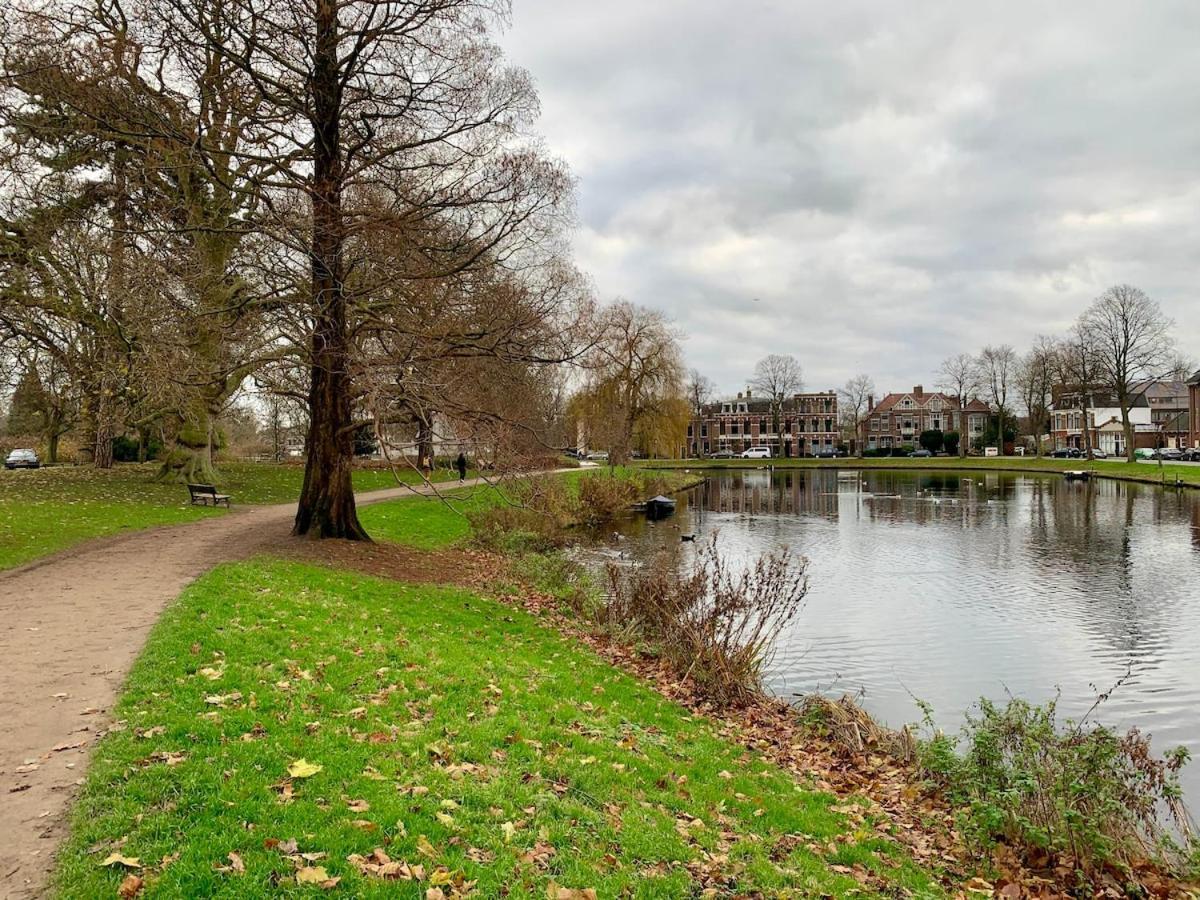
<point>602,498</point>
<point>714,625</point>
<point>851,728</point>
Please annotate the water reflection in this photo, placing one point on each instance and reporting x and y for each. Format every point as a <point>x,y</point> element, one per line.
<point>948,586</point>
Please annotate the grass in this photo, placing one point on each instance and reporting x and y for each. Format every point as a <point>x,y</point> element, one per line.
<point>1140,471</point>
<point>450,731</point>
<point>431,523</point>
<point>46,510</point>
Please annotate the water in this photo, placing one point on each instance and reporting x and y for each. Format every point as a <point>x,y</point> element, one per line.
<point>951,586</point>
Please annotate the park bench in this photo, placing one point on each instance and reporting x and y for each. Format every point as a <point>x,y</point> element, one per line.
<point>206,494</point>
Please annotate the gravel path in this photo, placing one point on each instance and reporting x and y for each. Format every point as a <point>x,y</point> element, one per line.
<point>71,626</point>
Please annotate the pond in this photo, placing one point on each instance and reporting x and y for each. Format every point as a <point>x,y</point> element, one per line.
<point>946,587</point>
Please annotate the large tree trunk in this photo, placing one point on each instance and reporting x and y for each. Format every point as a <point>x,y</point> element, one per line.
<point>327,507</point>
<point>191,458</point>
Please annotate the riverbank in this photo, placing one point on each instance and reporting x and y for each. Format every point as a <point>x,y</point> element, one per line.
<point>1168,474</point>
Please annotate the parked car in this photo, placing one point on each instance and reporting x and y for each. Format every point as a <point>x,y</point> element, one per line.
<point>756,453</point>
<point>722,454</point>
<point>1067,453</point>
<point>828,453</point>
<point>920,454</point>
<point>598,456</point>
<point>1192,454</point>
<point>22,459</point>
<point>1097,453</point>
<point>1144,453</point>
<point>1170,454</point>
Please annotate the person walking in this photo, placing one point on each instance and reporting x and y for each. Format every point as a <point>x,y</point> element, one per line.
<point>461,465</point>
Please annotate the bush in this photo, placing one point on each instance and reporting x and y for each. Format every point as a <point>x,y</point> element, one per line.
<point>602,498</point>
<point>932,440</point>
<point>1086,792</point>
<point>950,442</point>
<point>713,626</point>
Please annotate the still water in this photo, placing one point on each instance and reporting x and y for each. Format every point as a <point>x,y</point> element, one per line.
<point>951,586</point>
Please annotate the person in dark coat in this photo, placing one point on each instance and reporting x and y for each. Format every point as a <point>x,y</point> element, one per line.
<point>461,465</point>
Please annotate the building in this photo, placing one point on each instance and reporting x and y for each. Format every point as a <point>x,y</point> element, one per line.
<point>898,419</point>
<point>1194,410</point>
<point>1103,422</point>
<point>1169,411</point>
<point>808,424</point>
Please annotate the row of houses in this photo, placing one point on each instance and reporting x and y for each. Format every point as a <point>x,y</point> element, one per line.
<point>1165,414</point>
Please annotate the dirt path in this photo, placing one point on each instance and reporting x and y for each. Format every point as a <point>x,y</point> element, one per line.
<point>70,627</point>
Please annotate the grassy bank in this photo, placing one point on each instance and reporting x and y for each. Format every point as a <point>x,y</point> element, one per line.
<point>46,510</point>
<point>1149,473</point>
<point>291,724</point>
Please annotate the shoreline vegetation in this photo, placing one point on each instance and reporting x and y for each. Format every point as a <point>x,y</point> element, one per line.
<point>460,774</point>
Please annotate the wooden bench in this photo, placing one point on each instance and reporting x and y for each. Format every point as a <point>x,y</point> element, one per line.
<point>206,495</point>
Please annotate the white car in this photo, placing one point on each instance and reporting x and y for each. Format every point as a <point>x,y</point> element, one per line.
<point>756,453</point>
<point>598,456</point>
<point>22,459</point>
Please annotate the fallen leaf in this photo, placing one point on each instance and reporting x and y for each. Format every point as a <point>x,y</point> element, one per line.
<point>358,806</point>
<point>130,887</point>
<point>302,768</point>
<point>116,859</point>
<point>424,847</point>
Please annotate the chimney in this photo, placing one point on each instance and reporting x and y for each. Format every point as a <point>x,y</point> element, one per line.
<point>870,402</point>
<point>919,391</point>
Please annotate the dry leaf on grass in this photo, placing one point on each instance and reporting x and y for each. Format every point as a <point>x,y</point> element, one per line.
<point>130,887</point>
<point>116,859</point>
<point>302,768</point>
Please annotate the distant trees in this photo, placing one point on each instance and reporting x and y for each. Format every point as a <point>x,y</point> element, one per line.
<point>997,370</point>
<point>853,398</point>
<point>1035,379</point>
<point>700,391</point>
<point>960,378</point>
<point>1132,342</point>
<point>778,377</point>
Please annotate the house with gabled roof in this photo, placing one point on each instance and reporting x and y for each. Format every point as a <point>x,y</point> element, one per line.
<point>899,418</point>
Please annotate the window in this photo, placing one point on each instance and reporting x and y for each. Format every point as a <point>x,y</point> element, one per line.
<point>906,403</point>
<point>741,407</point>
<point>875,423</point>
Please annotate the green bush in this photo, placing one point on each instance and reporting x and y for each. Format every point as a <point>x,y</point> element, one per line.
<point>932,440</point>
<point>1096,797</point>
<point>950,442</point>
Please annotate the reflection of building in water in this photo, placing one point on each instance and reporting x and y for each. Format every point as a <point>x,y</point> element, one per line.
<point>758,493</point>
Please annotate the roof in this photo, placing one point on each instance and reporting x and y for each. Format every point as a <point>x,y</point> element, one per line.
<point>922,401</point>
<point>1158,390</point>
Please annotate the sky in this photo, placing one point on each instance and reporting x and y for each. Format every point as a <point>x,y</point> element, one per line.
<point>873,187</point>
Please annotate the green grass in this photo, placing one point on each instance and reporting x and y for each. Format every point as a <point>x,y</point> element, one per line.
<point>452,732</point>
<point>46,510</point>
<point>431,523</point>
<point>1141,471</point>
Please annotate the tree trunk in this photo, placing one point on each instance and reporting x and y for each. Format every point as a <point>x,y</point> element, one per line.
<point>191,458</point>
<point>1087,429</point>
<point>52,446</point>
<point>327,507</point>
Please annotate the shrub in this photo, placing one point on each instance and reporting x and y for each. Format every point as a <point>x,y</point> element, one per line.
<point>714,626</point>
<point>1084,791</point>
<point>932,440</point>
<point>950,442</point>
<point>602,498</point>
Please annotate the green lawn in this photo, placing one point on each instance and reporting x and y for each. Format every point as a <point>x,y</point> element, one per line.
<point>46,510</point>
<point>453,736</point>
<point>1148,472</point>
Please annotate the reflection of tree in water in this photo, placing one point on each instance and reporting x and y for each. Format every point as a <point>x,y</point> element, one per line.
<point>1084,544</point>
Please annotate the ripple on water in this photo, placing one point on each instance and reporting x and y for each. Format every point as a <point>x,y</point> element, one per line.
<point>947,588</point>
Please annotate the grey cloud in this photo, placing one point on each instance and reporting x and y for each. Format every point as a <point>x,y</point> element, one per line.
<point>894,182</point>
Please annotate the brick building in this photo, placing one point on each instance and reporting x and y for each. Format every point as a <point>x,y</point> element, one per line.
<point>808,424</point>
<point>898,419</point>
<point>1194,410</point>
<point>1103,421</point>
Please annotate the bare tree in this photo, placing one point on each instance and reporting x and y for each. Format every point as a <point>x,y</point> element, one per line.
<point>1077,364</point>
<point>959,377</point>
<point>779,376</point>
<point>1035,377</point>
<point>997,368</point>
<point>1133,343</point>
<point>700,391</point>
<point>854,397</point>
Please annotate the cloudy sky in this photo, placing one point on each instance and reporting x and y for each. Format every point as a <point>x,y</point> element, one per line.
<point>892,182</point>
